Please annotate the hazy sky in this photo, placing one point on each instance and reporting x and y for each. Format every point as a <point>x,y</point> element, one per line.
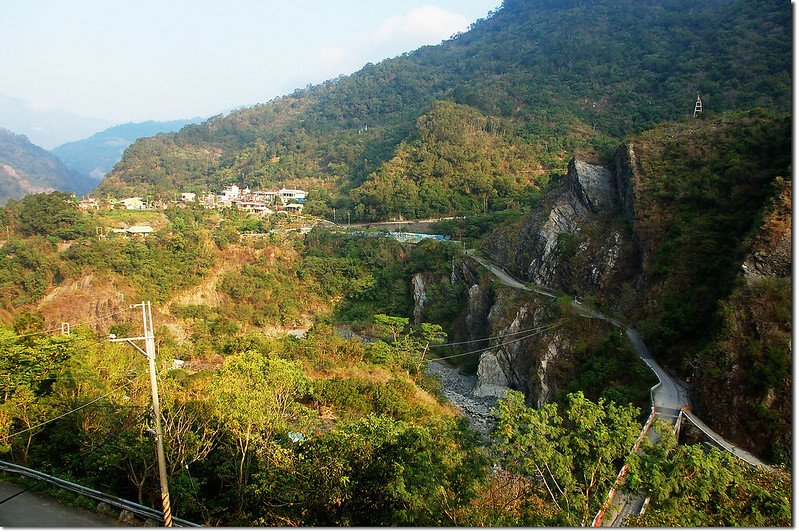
<point>133,60</point>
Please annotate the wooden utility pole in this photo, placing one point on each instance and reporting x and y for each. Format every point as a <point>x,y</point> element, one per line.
<point>149,352</point>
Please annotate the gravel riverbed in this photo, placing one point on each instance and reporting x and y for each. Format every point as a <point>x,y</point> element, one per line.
<point>459,390</point>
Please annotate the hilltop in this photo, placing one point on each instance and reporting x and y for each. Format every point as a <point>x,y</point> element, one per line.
<point>96,155</point>
<point>537,81</point>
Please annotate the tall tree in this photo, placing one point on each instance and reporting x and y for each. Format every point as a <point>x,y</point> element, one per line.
<point>574,454</point>
<point>254,397</point>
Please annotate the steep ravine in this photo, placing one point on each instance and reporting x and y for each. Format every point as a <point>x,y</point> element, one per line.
<point>629,239</point>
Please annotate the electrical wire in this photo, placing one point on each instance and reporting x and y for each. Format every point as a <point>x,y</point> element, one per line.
<point>53,331</point>
<point>488,338</point>
<point>492,347</point>
<point>58,417</point>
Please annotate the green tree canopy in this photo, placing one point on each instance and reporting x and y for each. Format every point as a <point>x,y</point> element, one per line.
<point>575,453</point>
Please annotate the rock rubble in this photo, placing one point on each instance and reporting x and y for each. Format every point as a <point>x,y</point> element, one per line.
<point>459,390</point>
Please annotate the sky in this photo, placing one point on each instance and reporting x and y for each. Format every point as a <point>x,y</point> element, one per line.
<point>136,60</point>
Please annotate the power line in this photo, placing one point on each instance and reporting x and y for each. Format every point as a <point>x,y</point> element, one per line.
<point>488,338</point>
<point>543,329</point>
<point>59,417</point>
<point>58,330</point>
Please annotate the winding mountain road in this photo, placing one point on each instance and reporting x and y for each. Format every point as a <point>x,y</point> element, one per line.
<point>669,396</point>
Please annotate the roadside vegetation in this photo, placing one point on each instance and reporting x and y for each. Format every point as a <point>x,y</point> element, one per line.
<point>278,430</point>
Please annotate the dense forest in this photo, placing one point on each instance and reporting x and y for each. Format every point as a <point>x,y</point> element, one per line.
<point>529,86</point>
<point>709,201</point>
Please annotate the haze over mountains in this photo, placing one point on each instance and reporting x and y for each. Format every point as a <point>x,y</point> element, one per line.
<point>28,169</point>
<point>95,156</point>
<point>77,166</point>
<point>46,127</point>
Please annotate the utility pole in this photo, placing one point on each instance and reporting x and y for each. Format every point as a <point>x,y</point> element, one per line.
<point>149,352</point>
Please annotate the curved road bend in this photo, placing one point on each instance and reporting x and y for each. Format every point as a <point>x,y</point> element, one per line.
<point>30,509</point>
<point>668,398</point>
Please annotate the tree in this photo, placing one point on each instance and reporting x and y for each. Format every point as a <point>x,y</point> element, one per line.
<point>691,486</point>
<point>375,471</point>
<point>575,455</point>
<point>53,214</point>
<point>411,343</point>
<point>254,396</point>
<point>26,412</point>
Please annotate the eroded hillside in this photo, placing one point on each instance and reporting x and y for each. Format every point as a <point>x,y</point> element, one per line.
<point>685,229</point>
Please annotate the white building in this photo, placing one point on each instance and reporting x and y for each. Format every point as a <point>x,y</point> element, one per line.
<point>133,204</point>
<point>289,194</point>
<point>232,191</point>
<point>267,196</point>
<point>255,207</point>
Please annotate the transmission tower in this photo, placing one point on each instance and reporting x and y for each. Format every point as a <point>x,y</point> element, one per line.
<point>698,106</point>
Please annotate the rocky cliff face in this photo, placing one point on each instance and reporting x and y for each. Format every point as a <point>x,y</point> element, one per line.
<point>576,241</point>
<point>770,254</point>
<point>751,399</point>
<point>658,235</point>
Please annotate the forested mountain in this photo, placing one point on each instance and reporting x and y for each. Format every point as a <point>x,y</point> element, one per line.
<point>680,226</point>
<point>543,79</point>
<point>693,232</point>
<point>26,169</point>
<point>95,156</point>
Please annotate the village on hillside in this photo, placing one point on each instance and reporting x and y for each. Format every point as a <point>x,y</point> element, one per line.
<point>259,202</point>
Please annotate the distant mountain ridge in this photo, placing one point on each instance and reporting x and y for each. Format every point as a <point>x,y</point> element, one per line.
<point>95,156</point>
<point>28,169</point>
<point>46,127</point>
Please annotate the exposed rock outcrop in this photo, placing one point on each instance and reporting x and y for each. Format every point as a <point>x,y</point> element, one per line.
<point>576,241</point>
<point>491,379</point>
<point>593,185</point>
<point>419,297</point>
<point>89,299</point>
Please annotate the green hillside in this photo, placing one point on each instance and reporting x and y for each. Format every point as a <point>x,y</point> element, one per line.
<point>27,169</point>
<point>543,79</point>
<point>95,156</point>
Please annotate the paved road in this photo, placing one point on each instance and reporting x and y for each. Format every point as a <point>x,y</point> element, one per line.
<point>672,394</point>
<point>506,278</point>
<point>740,453</point>
<point>30,509</point>
<point>668,397</point>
